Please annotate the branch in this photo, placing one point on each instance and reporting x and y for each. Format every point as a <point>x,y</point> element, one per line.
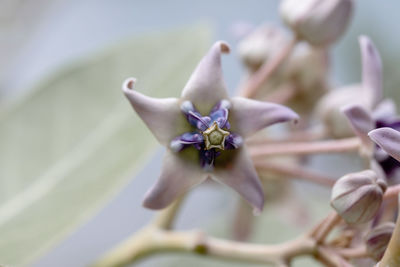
<point>152,240</point>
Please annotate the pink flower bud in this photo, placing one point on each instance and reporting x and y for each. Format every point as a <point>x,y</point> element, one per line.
<point>356,197</point>
<point>319,22</point>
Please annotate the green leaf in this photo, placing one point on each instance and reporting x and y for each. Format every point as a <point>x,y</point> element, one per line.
<point>72,143</point>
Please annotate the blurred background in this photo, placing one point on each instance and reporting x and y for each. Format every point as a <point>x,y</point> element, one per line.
<point>50,43</point>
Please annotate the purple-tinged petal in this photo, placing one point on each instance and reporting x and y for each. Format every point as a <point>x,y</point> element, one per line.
<point>198,121</point>
<point>162,116</point>
<point>251,116</point>
<point>194,117</point>
<point>371,70</point>
<point>181,142</point>
<point>233,141</point>
<point>242,177</point>
<point>177,177</point>
<point>385,110</point>
<point>220,116</point>
<point>361,122</point>
<point>206,85</point>
<point>388,139</point>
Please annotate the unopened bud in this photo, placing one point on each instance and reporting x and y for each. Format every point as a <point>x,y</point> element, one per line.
<point>357,196</point>
<point>319,22</point>
<point>262,44</point>
<point>378,239</point>
<point>329,109</point>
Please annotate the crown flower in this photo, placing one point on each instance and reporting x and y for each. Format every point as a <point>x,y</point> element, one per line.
<point>204,132</point>
<point>377,113</point>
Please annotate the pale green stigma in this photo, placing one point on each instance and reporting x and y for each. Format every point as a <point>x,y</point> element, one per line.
<point>214,137</point>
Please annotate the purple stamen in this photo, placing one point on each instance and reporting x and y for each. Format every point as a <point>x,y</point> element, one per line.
<point>218,114</point>
<point>233,141</point>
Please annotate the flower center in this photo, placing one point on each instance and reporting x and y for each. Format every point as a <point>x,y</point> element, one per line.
<point>214,137</point>
<point>210,134</point>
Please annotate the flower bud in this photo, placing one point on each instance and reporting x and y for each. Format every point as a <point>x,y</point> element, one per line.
<point>262,44</point>
<point>378,239</point>
<point>356,197</point>
<point>319,22</point>
<point>329,109</point>
<point>305,69</point>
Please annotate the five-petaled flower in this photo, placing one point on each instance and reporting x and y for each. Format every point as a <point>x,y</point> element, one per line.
<point>205,146</point>
<point>376,113</point>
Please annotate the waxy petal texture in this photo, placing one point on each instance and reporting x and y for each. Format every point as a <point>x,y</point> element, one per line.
<point>371,70</point>
<point>242,177</point>
<point>206,86</point>
<point>162,116</point>
<point>360,121</point>
<point>176,178</point>
<point>388,139</point>
<point>251,116</point>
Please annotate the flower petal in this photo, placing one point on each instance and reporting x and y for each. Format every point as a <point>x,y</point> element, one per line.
<point>371,70</point>
<point>385,110</point>
<point>162,116</point>
<point>177,177</point>
<point>206,85</point>
<point>242,177</point>
<point>251,116</point>
<point>388,139</point>
<point>360,121</point>
<point>187,139</point>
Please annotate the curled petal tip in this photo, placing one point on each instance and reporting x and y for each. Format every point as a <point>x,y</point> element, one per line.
<point>129,84</point>
<point>258,210</point>
<point>363,39</point>
<point>295,118</point>
<point>223,47</point>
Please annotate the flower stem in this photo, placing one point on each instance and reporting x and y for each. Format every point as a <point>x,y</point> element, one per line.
<point>352,253</point>
<point>295,172</point>
<point>326,227</point>
<point>267,70</point>
<point>307,135</point>
<point>303,148</point>
<point>282,94</point>
<point>243,221</point>
<point>166,217</point>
